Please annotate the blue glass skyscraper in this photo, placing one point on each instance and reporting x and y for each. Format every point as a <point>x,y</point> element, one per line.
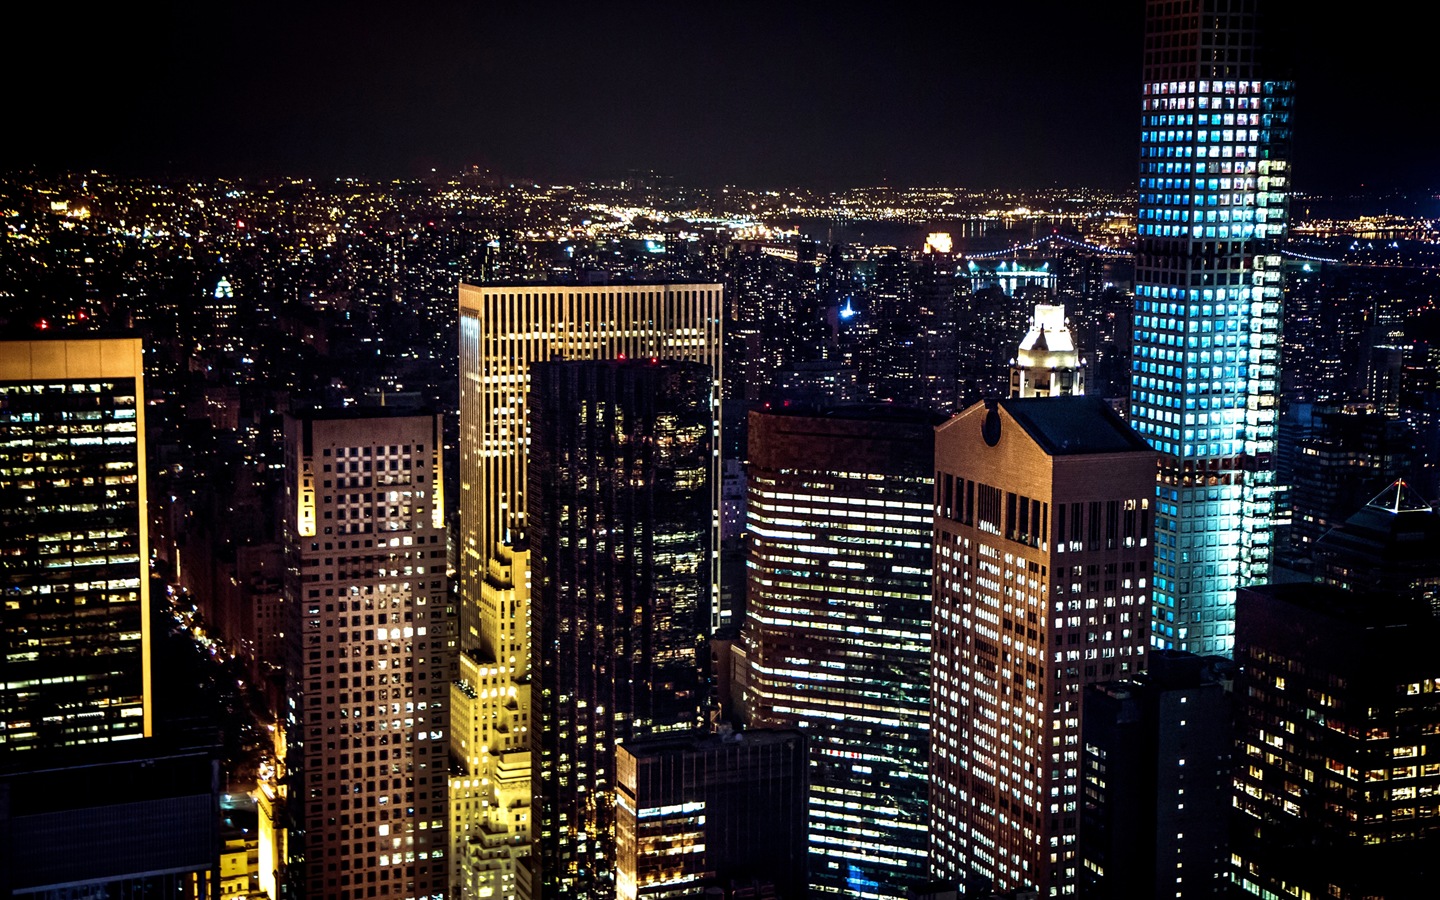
<point>1214,184</point>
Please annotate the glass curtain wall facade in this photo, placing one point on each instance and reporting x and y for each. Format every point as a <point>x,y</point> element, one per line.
<point>837,634</point>
<point>503,329</point>
<point>1214,182</point>
<point>619,538</point>
<point>74,550</point>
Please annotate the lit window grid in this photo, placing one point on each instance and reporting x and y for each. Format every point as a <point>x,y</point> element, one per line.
<point>1205,382</point>
<point>71,442</point>
<point>379,620</point>
<point>505,329</point>
<point>981,582</point>
<point>810,533</point>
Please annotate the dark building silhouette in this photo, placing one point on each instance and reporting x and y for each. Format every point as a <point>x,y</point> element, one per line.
<point>1156,794</point>
<point>1347,455</point>
<point>1389,549</point>
<point>620,513</point>
<point>717,810</point>
<point>837,640</point>
<point>1337,787</point>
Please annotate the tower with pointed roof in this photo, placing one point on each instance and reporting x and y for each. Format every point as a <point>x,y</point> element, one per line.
<point>1047,364</point>
<point>1387,549</point>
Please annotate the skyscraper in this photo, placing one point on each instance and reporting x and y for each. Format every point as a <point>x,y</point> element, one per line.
<point>370,646</point>
<point>1336,783</point>
<point>503,329</point>
<point>75,625</point>
<point>1214,183</point>
<point>1042,586</point>
<point>1156,794</point>
<point>837,634</point>
<point>619,531</point>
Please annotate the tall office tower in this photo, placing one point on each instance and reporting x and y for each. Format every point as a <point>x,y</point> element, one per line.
<point>370,650</point>
<point>837,633</point>
<point>75,627</point>
<point>1047,364</point>
<point>711,810</point>
<point>1337,785</point>
<point>489,728</point>
<point>620,514</point>
<point>1385,550</point>
<point>1156,798</point>
<point>1042,586</point>
<point>505,329</point>
<point>1205,372</point>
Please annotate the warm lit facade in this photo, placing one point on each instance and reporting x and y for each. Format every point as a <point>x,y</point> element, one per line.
<point>490,740</point>
<point>1043,522</point>
<point>619,532</point>
<point>74,550</point>
<point>370,651</point>
<point>503,329</point>
<point>1047,364</point>
<point>837,634</point>
<point>1337,745</point>
<point>711,810</point>
<point>1214,183</point>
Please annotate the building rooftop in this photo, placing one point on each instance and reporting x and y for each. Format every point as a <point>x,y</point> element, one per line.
<point>1066,426</point>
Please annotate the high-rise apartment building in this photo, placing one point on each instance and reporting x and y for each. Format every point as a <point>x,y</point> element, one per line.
<point>503,329</point>
<point>74,550</point>
<point>1214,182</point>
<point>711,810</point>
<point>837,633</point>
<point>620,516</point>
<point>1336,778</point>
<point>1047,364</point>
<point>1043,523</point>
<point>371,646</point>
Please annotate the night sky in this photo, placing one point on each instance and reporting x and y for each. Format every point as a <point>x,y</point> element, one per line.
<point>758,94</point>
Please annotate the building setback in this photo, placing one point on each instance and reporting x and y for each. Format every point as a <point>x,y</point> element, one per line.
<point>1204,387</point>
<point>837,635</point>
<point>371,645</point>
<point>1043,519</point>
<point>722,810</point>
<point>619,530</point>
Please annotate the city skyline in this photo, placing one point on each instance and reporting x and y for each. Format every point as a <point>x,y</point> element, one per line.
<point>752,95</point>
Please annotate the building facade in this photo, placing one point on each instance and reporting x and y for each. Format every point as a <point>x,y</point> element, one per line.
<point>1336,787</point>
<point>1214,183</point>
<point>619,528</point>
<point>490,738</point>
<point>837,633</point>
<point>1043,522</point>
<point>1155,801</point>
<point>371,645</point>
<point>75,628</point>
<point>503,329</point>
<point>714,810</point>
